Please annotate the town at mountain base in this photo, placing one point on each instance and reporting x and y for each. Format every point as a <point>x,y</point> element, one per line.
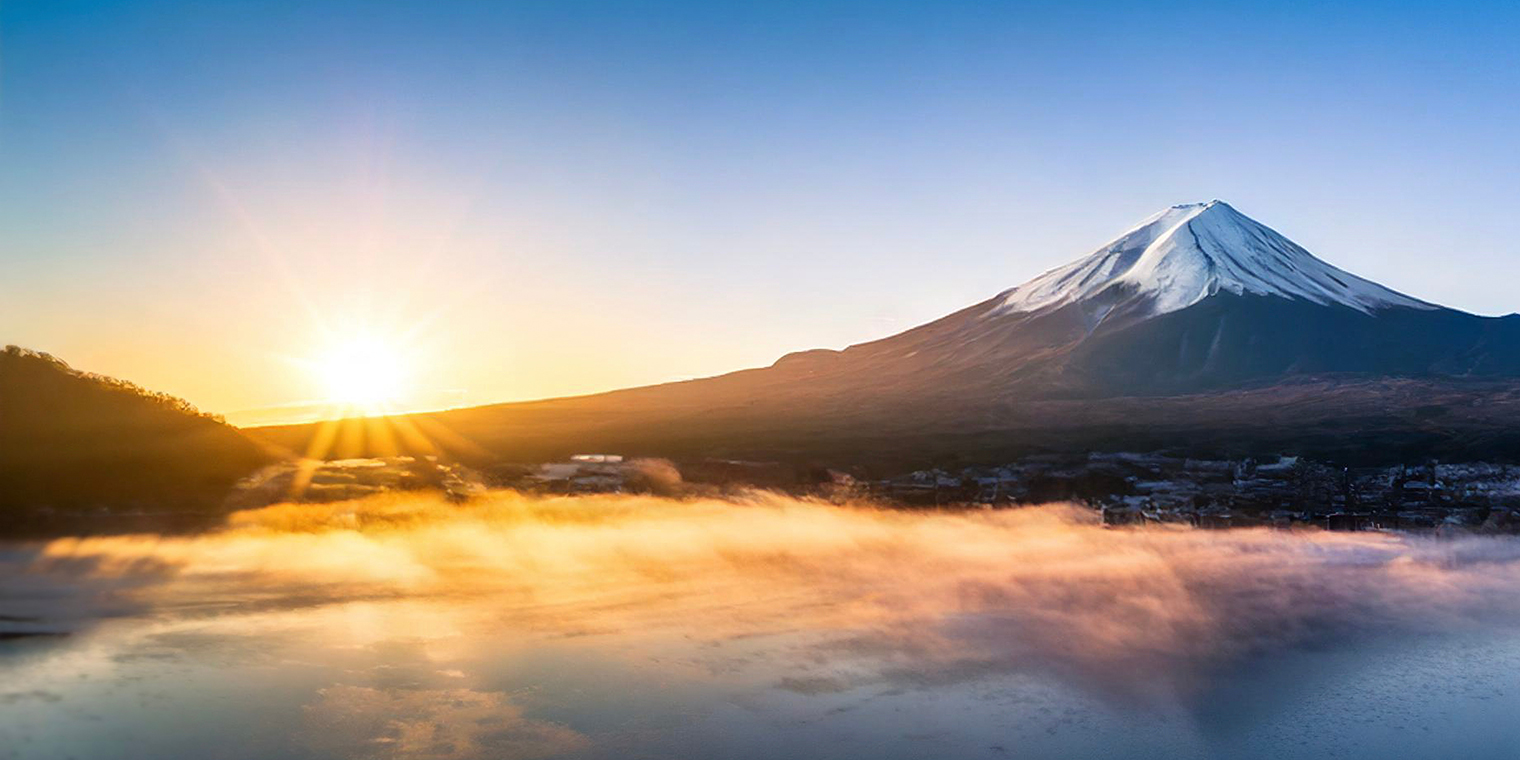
<point>1199,334</point>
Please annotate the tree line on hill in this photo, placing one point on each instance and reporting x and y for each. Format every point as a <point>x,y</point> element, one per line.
<point>73,442</point>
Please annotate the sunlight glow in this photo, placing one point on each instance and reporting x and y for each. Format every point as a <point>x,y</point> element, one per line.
<point>362,372</point>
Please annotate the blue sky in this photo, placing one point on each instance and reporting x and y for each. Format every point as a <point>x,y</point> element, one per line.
<point>560,197</point>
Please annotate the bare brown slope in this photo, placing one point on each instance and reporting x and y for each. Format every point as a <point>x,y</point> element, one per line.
<point>1337,418</point>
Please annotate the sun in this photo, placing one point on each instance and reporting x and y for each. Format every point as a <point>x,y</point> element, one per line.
<point>362,372</point>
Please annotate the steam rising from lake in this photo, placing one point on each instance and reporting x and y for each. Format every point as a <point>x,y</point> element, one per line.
<point>781,595</point>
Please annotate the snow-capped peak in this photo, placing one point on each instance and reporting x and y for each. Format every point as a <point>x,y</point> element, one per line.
<point>1189,252</point>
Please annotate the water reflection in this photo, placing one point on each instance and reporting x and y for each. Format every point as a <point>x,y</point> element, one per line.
<point>624,627</point>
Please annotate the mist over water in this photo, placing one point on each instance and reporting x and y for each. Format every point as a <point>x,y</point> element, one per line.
<point>622,626</point>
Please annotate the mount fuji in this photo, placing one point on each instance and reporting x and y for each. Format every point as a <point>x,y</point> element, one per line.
<point>1199,328</point>
<point>1197,297</point>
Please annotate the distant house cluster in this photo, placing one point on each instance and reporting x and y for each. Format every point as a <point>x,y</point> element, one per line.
<point>342,479</point>
<point>1127,488</point>
<point>1132,488</point>
<point>584,473</point>
<point>589,473</point>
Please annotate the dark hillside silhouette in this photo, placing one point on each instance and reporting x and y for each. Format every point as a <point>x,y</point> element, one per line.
<point>73,441</point>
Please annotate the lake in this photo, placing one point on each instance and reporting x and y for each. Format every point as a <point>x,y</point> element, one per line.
<point>617,627</point>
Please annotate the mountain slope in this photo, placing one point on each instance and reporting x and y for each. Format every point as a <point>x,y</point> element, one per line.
<point>70,440</point>
<point>1191,325</point>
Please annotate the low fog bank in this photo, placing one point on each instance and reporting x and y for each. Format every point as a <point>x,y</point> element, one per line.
<point>878,597</point>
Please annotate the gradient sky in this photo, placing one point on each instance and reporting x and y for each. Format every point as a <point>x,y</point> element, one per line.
<point>563,197</point>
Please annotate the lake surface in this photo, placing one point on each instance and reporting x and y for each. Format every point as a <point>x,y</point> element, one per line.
<point>633,627</point>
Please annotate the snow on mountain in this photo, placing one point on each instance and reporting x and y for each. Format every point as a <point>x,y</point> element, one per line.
<point>1189,252</point>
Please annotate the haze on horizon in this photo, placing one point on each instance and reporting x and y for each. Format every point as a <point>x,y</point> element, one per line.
<point>548,199</point>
